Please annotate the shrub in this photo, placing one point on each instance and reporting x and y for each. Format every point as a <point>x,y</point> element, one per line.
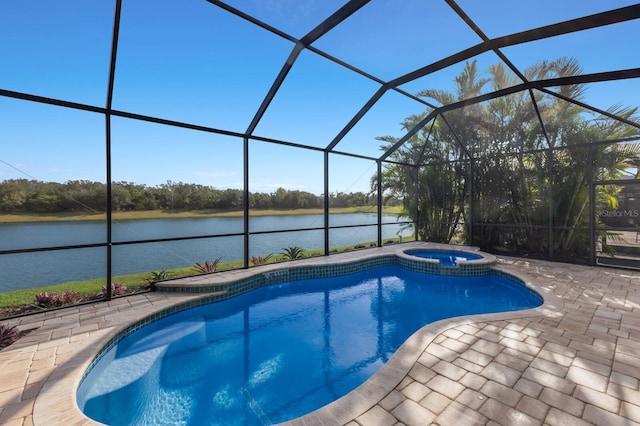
<point>155,276</point>
<point>52,300</point>
<point>67,297</point>
<point>293,253</point>
<point>116,289</point>
<point>207,267</point>
<point>7,333</point>
<point>261,260</point>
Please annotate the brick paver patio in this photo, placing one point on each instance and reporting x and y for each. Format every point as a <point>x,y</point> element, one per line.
<point>573,361</point>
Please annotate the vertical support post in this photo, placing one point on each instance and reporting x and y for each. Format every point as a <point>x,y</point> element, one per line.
<point>109,295</point>
<point>107,119</point>
<point>379,184</point>
<point>245,202</point>
<point>471,186</point>
<point>551,165</point>
<point>326,203</point>
<point>592,210</point>
<point>416,200</point>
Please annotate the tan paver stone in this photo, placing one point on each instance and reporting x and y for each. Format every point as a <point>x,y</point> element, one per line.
<point>455,345</point>
<point>377,416</point>
<point>473,381</point>
<point>599,399</point>
<point>428,359</point>
<point>413,414</point>
<point>476,357</point>
<point>15,422</point>
<point>42,363</point>
<point>533,407</point>
<point>468,339</point>
<point>515,326</point>
<point>550,367</point>
<point>629,343</point>
<point>470,329</point>
<point>512,334</point>
<point>17,411</point>
<point>445,386</point>
<point>506,415</point>
<point>624,380</point>
<point>598,416</point>
<point>625,359</point>
<point>468,365</point>
<point>491,336</point>
<point>14,379</point>
<point>607,314</point>
<point>501,374</point>
<point>404,383</point>
<point>32,390</point>
<point>555,339</point>
<point>460,415</point>
<point>392,400</point>
<point>449,370</point>
<point>502,393</point>
<point>53,343</point>
<point>559,349</point>
<point>561,418</point>
<point>630,411</point>
<point>562,401</point>
<point>549,380</point>
<point>624,394</point>
<point>18,366</point>
<point>421,373</point>
<point>471,399</point>
<point>555,357</point>
<point>626,369</point>
<point>10,397</point>
<point>587,378</point>
<point>435,402</point>
<point>441,352</point>
<point>486,347</point>
<point>453,333</point>
<point>415,391</point>
<point>517,354</point>
<point>588,349</point>
<point>520,346</point>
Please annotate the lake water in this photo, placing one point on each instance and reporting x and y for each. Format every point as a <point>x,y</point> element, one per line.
<point>25,270</point>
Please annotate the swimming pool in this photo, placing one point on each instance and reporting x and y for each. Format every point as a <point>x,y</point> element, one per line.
<point>280,351</point>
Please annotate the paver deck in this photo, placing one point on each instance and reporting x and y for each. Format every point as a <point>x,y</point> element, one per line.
<point>573,361</point>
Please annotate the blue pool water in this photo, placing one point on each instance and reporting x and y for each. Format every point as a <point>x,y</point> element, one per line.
<point>448,258</point>
<point>280,351</point>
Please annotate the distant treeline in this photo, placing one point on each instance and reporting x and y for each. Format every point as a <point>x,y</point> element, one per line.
<point>32,196</point>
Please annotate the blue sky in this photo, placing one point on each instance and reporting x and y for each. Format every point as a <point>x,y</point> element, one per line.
<point>191,61</point>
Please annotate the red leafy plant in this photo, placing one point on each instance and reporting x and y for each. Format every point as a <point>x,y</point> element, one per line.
<point>52,300</point>
<point>261,260</point>
<point>117,289</point>
<point>8,333</point>
<point>207,267</point>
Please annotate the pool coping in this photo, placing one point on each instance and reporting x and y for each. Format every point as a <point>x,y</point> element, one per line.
<point>58,393</point>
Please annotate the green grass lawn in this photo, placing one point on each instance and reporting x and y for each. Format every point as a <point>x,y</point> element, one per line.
<point>94,286</point>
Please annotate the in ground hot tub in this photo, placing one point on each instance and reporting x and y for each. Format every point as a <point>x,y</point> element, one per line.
<point>444,257</point>
<point>447,259</point>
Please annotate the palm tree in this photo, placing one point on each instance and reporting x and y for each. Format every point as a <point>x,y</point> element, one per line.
<point>523,175</point>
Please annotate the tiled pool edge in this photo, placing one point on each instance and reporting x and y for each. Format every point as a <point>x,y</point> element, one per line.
<point>59,391</point>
